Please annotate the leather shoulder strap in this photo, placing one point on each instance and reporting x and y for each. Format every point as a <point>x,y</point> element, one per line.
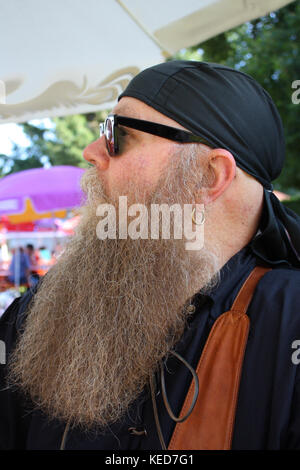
<point>210,426</point>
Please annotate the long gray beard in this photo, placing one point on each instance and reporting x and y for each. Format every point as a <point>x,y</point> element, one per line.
<point>105,315</point>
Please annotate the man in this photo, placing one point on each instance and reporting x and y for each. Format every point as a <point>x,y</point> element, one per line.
<point>84,352</point>
<point>33,258</point>
<point>19,267</point>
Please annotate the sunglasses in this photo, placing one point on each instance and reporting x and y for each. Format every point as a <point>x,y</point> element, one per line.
<point>113,134</point>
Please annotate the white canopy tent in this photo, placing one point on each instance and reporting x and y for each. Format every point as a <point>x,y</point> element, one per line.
<point>73,56</point>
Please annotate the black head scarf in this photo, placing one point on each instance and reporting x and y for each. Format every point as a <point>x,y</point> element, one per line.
<point>232,111</point>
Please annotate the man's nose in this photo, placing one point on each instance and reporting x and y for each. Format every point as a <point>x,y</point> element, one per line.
<point>96,154</point>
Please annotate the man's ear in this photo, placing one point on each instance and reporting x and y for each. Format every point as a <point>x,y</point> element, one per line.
<point>221,170</point>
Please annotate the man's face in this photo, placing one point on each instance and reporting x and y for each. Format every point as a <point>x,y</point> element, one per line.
<point>143,158</point>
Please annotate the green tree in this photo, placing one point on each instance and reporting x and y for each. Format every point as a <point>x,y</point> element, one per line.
<point>72,134</point>
<point>267,49</point>
<point>61,143</point>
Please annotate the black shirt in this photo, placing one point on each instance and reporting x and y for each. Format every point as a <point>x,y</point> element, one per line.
<point>268,409</point>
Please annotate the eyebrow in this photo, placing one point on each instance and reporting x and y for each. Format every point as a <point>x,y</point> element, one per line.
<point>126,112</point>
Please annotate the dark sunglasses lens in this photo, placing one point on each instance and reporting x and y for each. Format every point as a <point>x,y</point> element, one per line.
<point>109,135</point>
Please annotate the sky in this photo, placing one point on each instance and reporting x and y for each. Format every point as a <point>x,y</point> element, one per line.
<point>12,133</point>
<point>9,134</point>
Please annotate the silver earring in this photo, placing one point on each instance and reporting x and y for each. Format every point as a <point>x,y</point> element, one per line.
<point>202,217</point>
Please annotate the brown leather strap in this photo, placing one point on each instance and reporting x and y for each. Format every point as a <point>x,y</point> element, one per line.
<point>210,426</point>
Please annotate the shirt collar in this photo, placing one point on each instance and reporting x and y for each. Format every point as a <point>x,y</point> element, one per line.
<point>230,275</point>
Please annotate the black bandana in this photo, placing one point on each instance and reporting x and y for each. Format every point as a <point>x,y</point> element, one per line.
<point>231,111</point>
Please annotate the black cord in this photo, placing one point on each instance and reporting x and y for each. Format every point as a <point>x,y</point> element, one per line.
<point>64,438</point>
<point>165,398</point>
<point>164,392</point>
<point>158,427</point>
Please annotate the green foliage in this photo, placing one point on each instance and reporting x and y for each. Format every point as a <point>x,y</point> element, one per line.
<point>26,164</point>
<point>293,203</point>
<point>62,143</point>
<point>267,49</point>
<point>73,133</point>
<point>18,162</point>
